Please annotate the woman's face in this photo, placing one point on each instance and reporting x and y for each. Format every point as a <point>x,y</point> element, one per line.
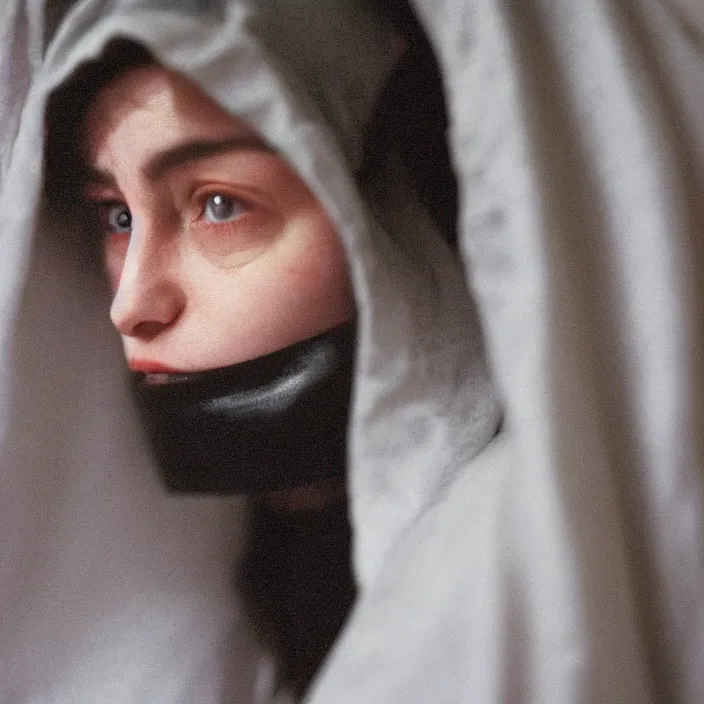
<point>216,251</point>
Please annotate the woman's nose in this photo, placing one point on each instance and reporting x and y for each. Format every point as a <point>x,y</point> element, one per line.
<point>149,297</point>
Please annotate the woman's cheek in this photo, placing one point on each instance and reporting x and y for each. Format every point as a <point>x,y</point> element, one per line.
<point>234,244</point>
<point>114,253</point>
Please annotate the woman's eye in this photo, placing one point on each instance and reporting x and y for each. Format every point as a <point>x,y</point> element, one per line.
<point>220,208</point>
<point>116,217</point>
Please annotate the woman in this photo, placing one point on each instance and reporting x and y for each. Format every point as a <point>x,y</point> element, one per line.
<point>216,311</point>
<point>238,317</point>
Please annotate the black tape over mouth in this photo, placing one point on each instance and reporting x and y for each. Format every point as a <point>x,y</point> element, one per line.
<point>275,422</point>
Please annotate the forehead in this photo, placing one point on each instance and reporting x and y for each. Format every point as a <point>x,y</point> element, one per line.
<point>148,109</point>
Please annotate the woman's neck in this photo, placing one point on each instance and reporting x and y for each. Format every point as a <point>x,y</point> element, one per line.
<point>305,498</point>
<point>297,576</point>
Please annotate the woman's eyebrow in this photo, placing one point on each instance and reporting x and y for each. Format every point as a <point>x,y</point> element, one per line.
<point>185,153</point>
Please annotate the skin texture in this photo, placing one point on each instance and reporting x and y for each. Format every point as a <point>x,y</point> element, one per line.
<point>216,253</point>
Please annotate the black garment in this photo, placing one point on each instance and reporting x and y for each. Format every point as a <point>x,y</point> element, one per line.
<point>297,581</point>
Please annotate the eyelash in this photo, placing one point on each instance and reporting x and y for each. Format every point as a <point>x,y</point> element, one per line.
<point>203,198</point>
<point>102,209</point>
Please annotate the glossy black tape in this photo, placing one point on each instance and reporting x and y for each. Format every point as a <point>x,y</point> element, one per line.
<point>275,422</point>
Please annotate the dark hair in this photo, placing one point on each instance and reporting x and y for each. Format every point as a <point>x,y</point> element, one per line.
<point>411,120</point>
<point>66,112</point>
